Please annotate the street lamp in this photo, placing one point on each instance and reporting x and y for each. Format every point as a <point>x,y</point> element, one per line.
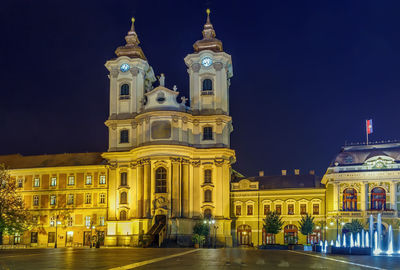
<point>337,217</point>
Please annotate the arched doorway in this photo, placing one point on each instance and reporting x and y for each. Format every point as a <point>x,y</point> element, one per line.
<point>290,234</point>
<point>244,235</point>
<point>314,237</point>
<point>268,238</point>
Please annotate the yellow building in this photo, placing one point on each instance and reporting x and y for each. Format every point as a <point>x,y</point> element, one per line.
<point>290,196</point>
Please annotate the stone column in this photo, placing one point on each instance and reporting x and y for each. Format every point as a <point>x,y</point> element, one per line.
<point>112,193</point>
<point>185,188</point>
<point>362,197</point>
<point>226,189</point>
<point>146,187</point>
<point>175,189</point>
<point>393,200</point>
<point>335,196</point>
<point>132,198</point>
<point>196,187</point>
<point>217,193</point>
<point>140,190</point>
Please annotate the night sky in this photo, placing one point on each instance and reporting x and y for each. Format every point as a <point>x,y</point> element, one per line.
<point>307,74</point>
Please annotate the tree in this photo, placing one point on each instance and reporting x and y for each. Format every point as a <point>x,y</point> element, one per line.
<point>354,227</point>
<point>200,231</point>
<point>14,218</point>
<point>307,225</point>
<point>273,223</point>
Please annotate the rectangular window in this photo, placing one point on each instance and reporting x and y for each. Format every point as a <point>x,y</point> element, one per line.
<point>207,133</point>
<point>53,182</point>
<point>124,136</point>
<point>52,237</point>
<point>88,198</point>
<point>71,180</point>
<point>36,182</point>
<point>315,209</point>
<point>290,209</point>
<point>249,210</point>
<point>207,176</point>
<point>101,221</point>
<point>20,183</point>
<point>267,209</point>
<point>278,209</point>
<point>238,210</point>
<point>53,200</point>
<point>87,221</point>
<point>34,237</point>
<point>69,221</point>
<point>70,199</point>
<point>102,198</point>
<point>124,179</point>
<point>35,200</point>
<point>52,221</point>
<point>88,179</point>
<point>303,209</point>
<point>102,180</point>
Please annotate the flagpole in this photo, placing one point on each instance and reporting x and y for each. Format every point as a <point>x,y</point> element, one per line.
<point>366,129</point>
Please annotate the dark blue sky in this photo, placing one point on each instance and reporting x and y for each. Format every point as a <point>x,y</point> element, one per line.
<point>306,73</point>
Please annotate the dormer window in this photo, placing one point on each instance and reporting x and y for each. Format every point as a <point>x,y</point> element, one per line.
<point>160,98</point>
<point>207,133</point>
<point>124,92</point>
<point>124,136</point>
<point>207,88</point>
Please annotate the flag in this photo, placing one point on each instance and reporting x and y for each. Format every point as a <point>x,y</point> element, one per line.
<point>369,126</point>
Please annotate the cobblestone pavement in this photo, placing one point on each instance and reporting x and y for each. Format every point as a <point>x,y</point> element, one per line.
<point>180,258</point>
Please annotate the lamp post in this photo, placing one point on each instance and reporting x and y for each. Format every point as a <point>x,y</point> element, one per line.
<point>215,233</point>
<point>57,222</point>
<point>92,236</point>
<point>337,217</point>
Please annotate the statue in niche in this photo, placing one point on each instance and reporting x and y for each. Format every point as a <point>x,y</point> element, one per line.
<point>160,202</point>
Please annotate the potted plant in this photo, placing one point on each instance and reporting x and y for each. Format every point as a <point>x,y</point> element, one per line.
<point>198,239</point>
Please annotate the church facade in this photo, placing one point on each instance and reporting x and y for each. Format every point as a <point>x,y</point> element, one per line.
<point>168,166</point>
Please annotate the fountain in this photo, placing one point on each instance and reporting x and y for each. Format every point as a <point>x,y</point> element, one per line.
<point>379,229</point>
<point>362,238</point>
<point>366,240</point>
<point>376,251</point>
<point>371,228</point>
<point>338,240</point>
<point>351,240</point>
<point>390,244</point>
<point>344,240</point>
<point>331,242</point>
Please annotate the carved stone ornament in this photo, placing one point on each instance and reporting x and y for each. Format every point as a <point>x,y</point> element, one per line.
<point>196,163</point>
<point>134,123</point>
<point>185,161</point>
<point>196,67</point>
<point>356,186</point>
<point>219,121</point>
<point>160,202</point>
<point>133,165</point>
<point>113,126</point>
<point>219,162</point>
<point>175,118</point>
<point>134,71</point>
<point>218,66</point>
<point>175,159</point>
<point>114,72</point>
<point>196,122</point>
<point>383,185</point>
<point>184,119</point>
<point>113,165</point>
<point>145,161</point>
<point>147,119</point>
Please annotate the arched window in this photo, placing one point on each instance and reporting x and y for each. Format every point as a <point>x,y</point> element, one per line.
<point>124,136</point>
<point>207,85</point>
<point>378,199</point>
<point>290,234</point>
<point>161,180</point>
<point>207,195</point>
<point>124,179</point>
<point>349,199</point>
<point>207,176</point>
<point>123,198</point>
<point>124,91</point>
<point>207,133</point>
<point>122,215</point>
<point>207,214</point>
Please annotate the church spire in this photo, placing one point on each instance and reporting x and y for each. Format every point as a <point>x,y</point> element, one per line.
<point>209,42</point>
<point>131,48</point>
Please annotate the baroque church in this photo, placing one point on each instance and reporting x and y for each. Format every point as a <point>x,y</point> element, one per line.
<point>168,166</point>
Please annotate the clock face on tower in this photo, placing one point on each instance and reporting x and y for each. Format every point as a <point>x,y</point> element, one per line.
<point>124,67</point>
<point>206,61</point>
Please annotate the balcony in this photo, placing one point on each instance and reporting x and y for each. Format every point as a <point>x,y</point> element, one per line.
<point>350,213</point>
<point>388,213</point>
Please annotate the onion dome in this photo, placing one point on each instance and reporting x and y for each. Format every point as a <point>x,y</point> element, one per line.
<point>209,42</point>
<point>131,48</point>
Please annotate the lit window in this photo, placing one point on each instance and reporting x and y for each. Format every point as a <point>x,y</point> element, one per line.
<point>267,209</point>
<point>124,91</point>
<point>124,136</point>
<point>102,198</point>
<point>88,179</point>
<point>70,199</point>
<point>315,209</point>
<point>207,176</point>
<point>20,181</point>
<point>69,221</point>
<point>88,198</point>
<point>52,221</point>
<point>207,133</point>
<point>290,209</point>
<point>161,180</point>
<point>101,221</point>
<point>349,199</point>
<point>250,210</point>
<point>35,200</point>
<point>124,179</point>
<point>53,182</point>
<point>378,199</point>
<point>207,195</point>
<point>53,200</point>
<point>278,209</point>
<point>238,210</point>
<point>87,221</point>
<point>102,180</point>
<point>36,182</point>
<point>303,209</point>
<point>34,237</point>
<point>71,180</point>
<point>124,198</point>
